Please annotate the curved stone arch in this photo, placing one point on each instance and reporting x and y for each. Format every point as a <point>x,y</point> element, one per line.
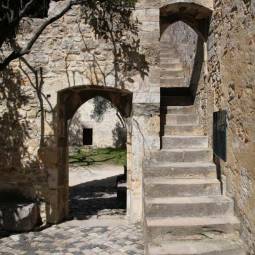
<point>195,13</point>
<point>206,4</point>
<point>166,23</point>
<point>69,100</point>
<point>74,97</point>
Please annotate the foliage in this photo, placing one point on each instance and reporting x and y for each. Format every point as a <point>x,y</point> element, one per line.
<point>113,21</point>
<point>12,11</point>
<point>86,157</point>
<point>101,106</point>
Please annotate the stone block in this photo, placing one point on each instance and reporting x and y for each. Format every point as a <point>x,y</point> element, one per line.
<point>19,217</point>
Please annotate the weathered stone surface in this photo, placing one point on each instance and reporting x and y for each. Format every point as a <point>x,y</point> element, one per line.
<point>68,54</point>
<point>229,86</point>
<point>181,203</point>
<point>103,119</point>
<point>231,75</point>
<point>18,217</point>
<point>106,237</point>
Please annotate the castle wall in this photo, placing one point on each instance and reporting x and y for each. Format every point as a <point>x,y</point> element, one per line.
<point>231,76</point>
<point>69,54</point>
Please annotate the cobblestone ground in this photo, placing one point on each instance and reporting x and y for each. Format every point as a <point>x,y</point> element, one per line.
<point>99,225</point>
<point>78,237</point>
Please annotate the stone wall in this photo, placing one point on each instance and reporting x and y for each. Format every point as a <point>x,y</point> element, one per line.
<point>20,167</point>
<point>70,53</point>
<point>108,127</point>
<point>231,48</point>
<point>184,39</point>
<point>190,48</point>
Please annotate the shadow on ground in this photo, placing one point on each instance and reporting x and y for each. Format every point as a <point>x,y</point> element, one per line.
<point>96,198</point>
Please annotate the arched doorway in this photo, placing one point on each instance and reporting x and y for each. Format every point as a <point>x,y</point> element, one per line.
<point>97,161</point>
<point>69,100</point>
<point>183,56</point>
<point>184,27</point>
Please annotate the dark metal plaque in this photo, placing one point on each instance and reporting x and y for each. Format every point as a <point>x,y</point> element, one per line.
<point>220,134</point>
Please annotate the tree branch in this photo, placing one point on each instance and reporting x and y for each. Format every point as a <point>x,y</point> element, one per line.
<point>25,9</point>
<point>17,53</point>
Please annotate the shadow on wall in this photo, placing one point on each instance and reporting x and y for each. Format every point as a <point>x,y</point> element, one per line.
<point>112,21</point>
<point>100,107</point>
<point>98,114</point>
<point>14,127</point>
<point>190,48</point>
<point>23,120</point>
<point>17,184</point>
<point>197,67</point>
<point>35,78</point>
<point>75,130</point>
<point>119,135</point>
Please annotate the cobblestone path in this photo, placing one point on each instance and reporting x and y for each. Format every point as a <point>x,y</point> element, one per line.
<point>89,237</point>
<point>99,226</point>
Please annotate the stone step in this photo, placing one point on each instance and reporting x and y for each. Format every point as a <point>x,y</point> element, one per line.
<point>168,60</point>
<point>180,170</point>
<point>171,65</point>
<point>173,85</point>
<point>198,247</point>
<point>169,228</point>
<point>166,46</point>
<point>168,55</point>
<point>190,109</point>
<point>172,69</point>
<point>182,155</point>
<point>168,52</point>
<point>166,43</point>
<point>171,79</point>
<point>166,49</point>
<point>172,82</point>
<point>182,130</point>
<point>188,206</point>
<point>160,186</point>
<point>171,142</point>
<point>181,119</point>
<point>171,73</point>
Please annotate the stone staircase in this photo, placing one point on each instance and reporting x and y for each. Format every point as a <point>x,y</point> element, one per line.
<point>171,68</point>
<point>184,208</point>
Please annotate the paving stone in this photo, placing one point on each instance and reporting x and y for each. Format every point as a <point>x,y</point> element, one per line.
<point>121,238</point>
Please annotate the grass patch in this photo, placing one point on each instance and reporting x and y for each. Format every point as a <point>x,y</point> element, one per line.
<point>86,157</point>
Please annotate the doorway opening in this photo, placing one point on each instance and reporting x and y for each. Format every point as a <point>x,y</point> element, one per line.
<point>97,161</point>
<point>181,62</point>
<point>70,101</point>
<point>183,51</point>
<point>87,137</point>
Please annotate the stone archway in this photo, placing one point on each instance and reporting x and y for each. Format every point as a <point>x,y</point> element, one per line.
<point>69,100</point>
<point>196,14</point>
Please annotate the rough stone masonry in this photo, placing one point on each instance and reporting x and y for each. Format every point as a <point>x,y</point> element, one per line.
<point>68,55</point>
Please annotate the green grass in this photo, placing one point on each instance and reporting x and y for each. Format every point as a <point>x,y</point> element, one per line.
<point>86,157</point>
